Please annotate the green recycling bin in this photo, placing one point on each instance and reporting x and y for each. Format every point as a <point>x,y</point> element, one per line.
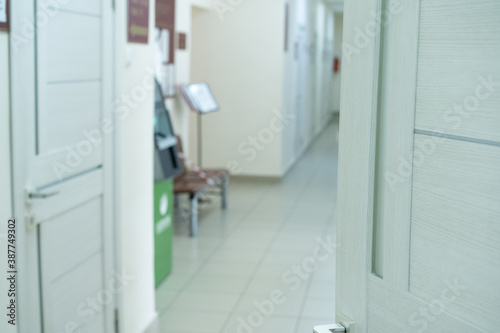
<point>166,167</point>
<point>163,215</point>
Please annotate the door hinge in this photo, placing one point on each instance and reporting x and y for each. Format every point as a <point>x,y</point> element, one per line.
<point>332,328</point>
<point>117,322</point>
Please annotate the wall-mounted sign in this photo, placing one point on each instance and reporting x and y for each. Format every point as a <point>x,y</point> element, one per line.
<point>165,19</point>
<point>182,41</point>
<point>138,21</point>
<point>4,15</point>
<point>164,70</point>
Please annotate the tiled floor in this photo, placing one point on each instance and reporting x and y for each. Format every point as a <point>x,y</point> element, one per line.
<point>247,271</point>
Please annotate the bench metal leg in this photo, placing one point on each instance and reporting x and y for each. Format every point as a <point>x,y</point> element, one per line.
<point>194,214</point>
<point>224,192</point>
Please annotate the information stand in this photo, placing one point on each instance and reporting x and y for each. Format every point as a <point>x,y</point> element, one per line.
<point>200,99</point>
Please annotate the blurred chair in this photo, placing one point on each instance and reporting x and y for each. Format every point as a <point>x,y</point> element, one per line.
<point>197,183</point>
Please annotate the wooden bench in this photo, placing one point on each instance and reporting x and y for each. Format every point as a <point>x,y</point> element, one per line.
<point>190,182</point>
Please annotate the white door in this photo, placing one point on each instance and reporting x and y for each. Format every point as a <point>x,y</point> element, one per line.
<point>301,74</point>
<point>62,124</point>
<point>419,172</point>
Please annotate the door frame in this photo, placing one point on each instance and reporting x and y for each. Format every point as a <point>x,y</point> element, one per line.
<point>372,117</point>
<point>363,160</point>
<point>23,102</point>
<point>356,169</point>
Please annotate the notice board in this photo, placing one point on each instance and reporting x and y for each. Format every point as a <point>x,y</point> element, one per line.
<point>165,19</point>
<point>4,15</point>
<point>138,21</point>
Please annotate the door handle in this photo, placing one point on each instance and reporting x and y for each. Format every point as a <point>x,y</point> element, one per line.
<point>31,194</point>
<point>38,195</point>
<point>331,328</point>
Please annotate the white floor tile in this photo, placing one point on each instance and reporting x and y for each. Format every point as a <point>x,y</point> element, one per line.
<point>217,284</point>
<point>322,289</point>
<point>228,269</point>
<point>319,308</point>
<point>191,321</point>
<point>164,299</point>
<point>256,322</point>
<point>204,301</point>
<point>306,325</point>
<point>244,253</point>
<point>283,306</point>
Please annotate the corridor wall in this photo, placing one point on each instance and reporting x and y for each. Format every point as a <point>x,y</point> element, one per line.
<point>134,176</point>
<point>308,75</point>
<point>239,51</point>
<point>339,23</point>
<point>273,82</point>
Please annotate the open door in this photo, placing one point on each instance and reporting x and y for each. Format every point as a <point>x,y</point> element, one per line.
<point>419,167</point>
<point>62,152</point>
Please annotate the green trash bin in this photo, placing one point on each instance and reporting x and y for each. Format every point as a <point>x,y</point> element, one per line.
<point>163,217</point>
<point>166,167</point>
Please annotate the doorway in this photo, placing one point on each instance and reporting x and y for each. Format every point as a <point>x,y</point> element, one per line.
<point>62,88</point>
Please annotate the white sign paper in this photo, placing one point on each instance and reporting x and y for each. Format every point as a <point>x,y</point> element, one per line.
<point>202,97</point>
<point>3,11</point>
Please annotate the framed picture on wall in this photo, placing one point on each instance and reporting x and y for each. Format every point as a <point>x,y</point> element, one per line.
<point>4,15</point>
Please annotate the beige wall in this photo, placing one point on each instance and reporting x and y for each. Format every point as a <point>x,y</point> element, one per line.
<point>241,56</point>
<point>134,179</point>
<point>339,23</point>
<point>306,76</point>
<point>134,139</point>
<point>179,111</point>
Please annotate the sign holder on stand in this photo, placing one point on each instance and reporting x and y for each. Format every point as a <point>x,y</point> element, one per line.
<point>200,99</point>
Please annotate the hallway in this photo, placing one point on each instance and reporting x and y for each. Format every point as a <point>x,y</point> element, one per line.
<point>247,271</point>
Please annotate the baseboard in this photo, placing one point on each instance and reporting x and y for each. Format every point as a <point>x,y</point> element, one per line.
<point>331,118</point>
<point>154,326</point>
<point>257,178</point>
<point>290,164</point>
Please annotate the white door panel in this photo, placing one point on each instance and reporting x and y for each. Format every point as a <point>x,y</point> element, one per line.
<point>419,169</point>
<point>458,53</point>
<point>71,238</point>
<point>70,48</point>
<point>63,165</point>
<point>390,311</point>
<point>456,228</point>
<point>71,298</point>
<point>68,195</point>
<point>69,95</point>
<point>63,104</point>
